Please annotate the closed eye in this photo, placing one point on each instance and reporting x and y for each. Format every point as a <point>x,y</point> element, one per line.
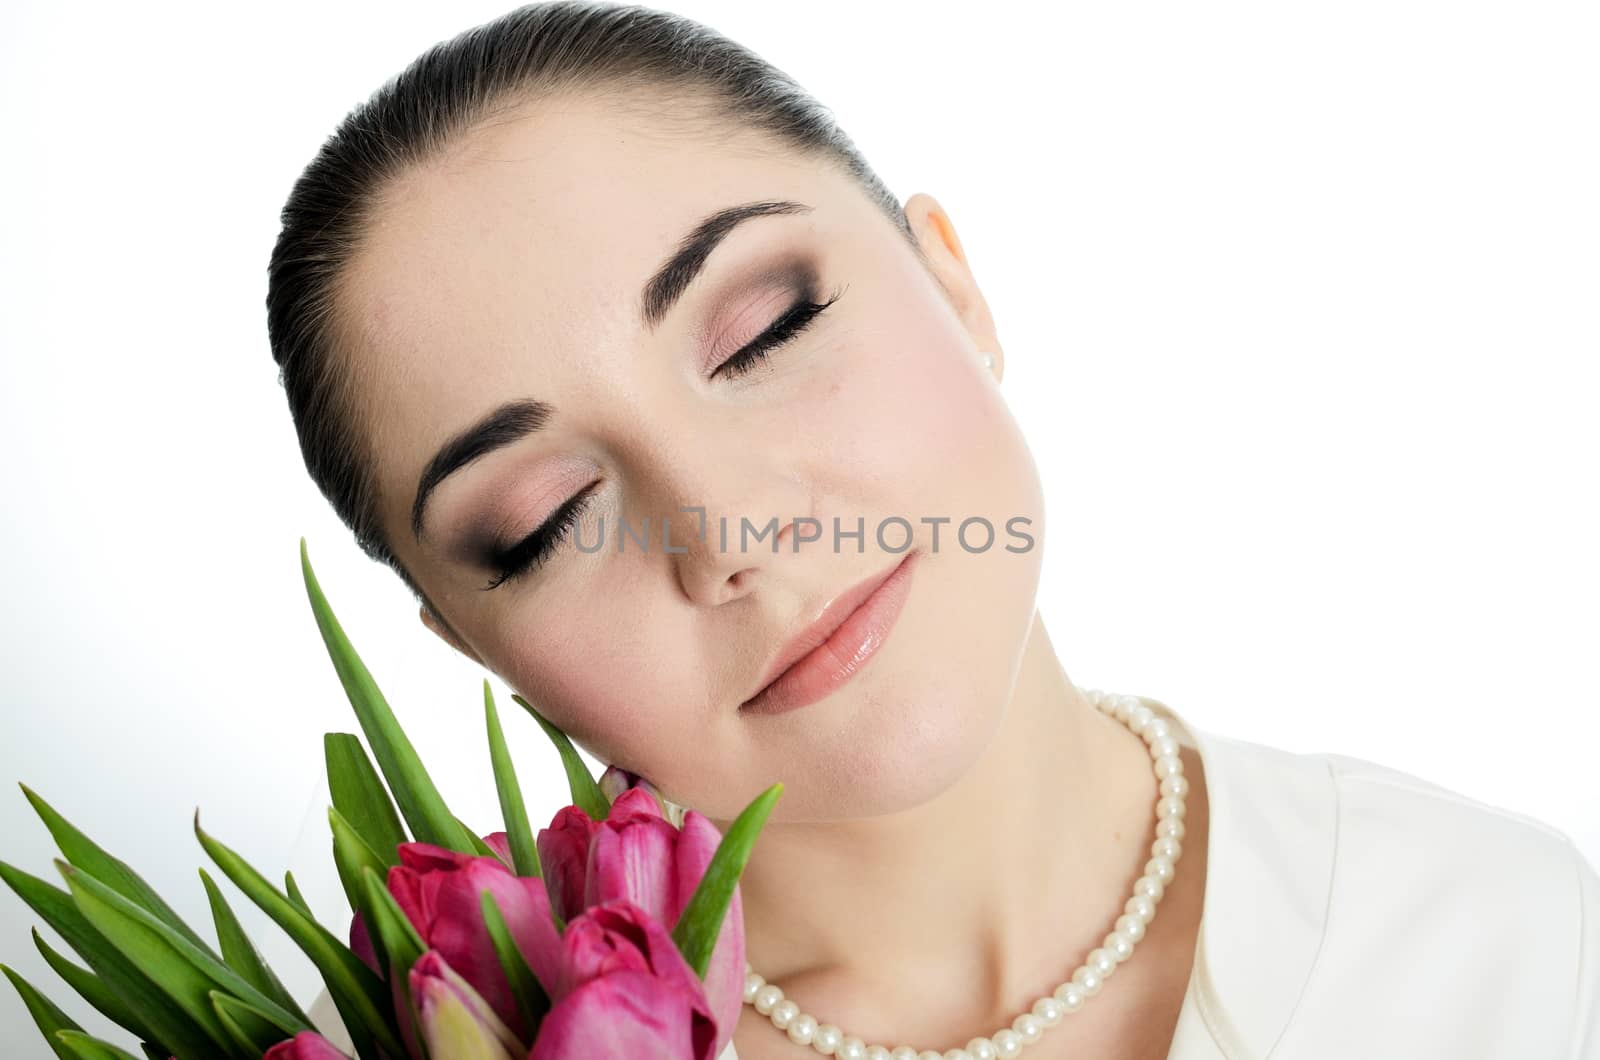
<point>534,550</point>
<point>795,320</point>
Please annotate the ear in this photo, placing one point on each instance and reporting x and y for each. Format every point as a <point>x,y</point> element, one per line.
<point>948,262</point>
<point>446,634</point>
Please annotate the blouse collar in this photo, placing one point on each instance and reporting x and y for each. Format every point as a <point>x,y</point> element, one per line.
<point>1269,867</point>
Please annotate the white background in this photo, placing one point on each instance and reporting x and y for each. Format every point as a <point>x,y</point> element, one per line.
<point>1299,306</point>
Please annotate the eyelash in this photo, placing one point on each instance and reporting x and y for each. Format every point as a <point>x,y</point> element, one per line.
<point>532,551</point>
<point>798,317</point>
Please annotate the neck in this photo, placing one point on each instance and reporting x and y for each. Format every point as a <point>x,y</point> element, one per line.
<point>978,899</point>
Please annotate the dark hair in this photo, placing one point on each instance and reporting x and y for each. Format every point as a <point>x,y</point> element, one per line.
<point>530,53</point>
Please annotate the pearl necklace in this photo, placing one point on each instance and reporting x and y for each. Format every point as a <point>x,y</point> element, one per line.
<point>1086,982</point>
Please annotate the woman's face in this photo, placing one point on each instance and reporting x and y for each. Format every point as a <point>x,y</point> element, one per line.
<point>519,269</point>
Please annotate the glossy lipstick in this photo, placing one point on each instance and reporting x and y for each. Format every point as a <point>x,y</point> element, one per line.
<point>837,645</point>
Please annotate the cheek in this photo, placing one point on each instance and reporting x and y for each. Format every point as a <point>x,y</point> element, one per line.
<point>606,676</point>
<point>913,416</point>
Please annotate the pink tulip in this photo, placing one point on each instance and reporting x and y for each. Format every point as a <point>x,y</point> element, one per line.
<point>624,990</point>
<point>637,855</point>
<point>563,855</point>
<point>307,1045</point>
<point>361,941</point>
<point>456,1022</point>
<point>438,890</point>
<point>500,843</point>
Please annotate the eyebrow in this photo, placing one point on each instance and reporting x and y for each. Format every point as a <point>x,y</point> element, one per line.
<point>515,420</point>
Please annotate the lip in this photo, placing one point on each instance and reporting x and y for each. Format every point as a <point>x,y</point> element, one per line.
<point>837,644</point>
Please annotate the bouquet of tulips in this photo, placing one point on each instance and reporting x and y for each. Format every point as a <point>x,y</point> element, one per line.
<point>616,931</point>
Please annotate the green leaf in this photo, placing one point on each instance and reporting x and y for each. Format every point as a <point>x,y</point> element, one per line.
<point>361,997</point>
<point>397,943</point>
<point>421,804</point>
<point>89,987</point>
<point>171,961</point>
<point>697,928</point>
<point>389,923</point>
<point>292,890</point>
<point>163,1021</point>
<point>241,954</point>
<point>479,847</point>
<point>360,796</point>
<point>46,1015</point>
<point>350,856</point>
<point>81,851</point>
<point>524,853</point>
<point>83,1047</point>
<point>254,1031</point>
<point>130,923</point>
<point>586,793</point>
<point>532,1001</point>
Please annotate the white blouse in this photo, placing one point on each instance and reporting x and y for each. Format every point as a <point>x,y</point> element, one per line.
<point>1355,912</point>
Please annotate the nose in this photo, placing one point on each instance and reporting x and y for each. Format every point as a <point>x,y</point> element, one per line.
<point>727,524</point>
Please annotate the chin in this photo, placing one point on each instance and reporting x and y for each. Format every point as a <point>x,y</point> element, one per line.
<point>887,749</point>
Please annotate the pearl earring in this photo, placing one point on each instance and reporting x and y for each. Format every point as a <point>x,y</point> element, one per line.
<point>988,360</point>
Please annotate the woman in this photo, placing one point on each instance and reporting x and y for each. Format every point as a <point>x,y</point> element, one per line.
<point>592,273</point>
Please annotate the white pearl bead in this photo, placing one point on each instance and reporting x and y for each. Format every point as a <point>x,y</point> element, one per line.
<point>1161,868</point>
<point>1131,926</point>
<point>1071,996</point>
<point>1156,729</point>
<point>1101,962</point>
<point>1150,887</point>
<point>1168,766</point>
<point>1141,906</point>
<point>1167,847</point>
<point>802,1029</point>
<point>783,1013</point>
<point>1029,1027</point>
<point>1164,745</point>
<point>1118,945</point>
<point>1170,806</point>
<point>1172,827</point>
<point>956,1054</point>
<point>827,1039</point>
<point>766,997</point>
<point>851,1048</point>
<point>752,983</point>
<point>1175,785</point>
<point>1049,1011</point>
<point>1007,1044</point>
<point>1088,979</point>
<point>904,1052</point>
<point>1139,717</point>
<point>982,1049</point>
<point>878,1052</point>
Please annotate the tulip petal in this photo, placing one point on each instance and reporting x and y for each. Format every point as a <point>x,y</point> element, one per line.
<point>564,859</point>
<point>631,858</point>
<point>307,1045</point>
<point>440,892</point>
<point>627,1013</point>
<point>724,976</point>
<point>456,1021</point>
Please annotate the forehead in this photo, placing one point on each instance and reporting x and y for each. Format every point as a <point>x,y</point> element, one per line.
<point>519,256</point>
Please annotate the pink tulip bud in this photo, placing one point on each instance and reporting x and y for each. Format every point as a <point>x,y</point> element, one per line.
<point>307,1045</point>
<point>624,990</point>
<point>637,855</point>
<point>456,1021</point>
<point>439,892</point>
